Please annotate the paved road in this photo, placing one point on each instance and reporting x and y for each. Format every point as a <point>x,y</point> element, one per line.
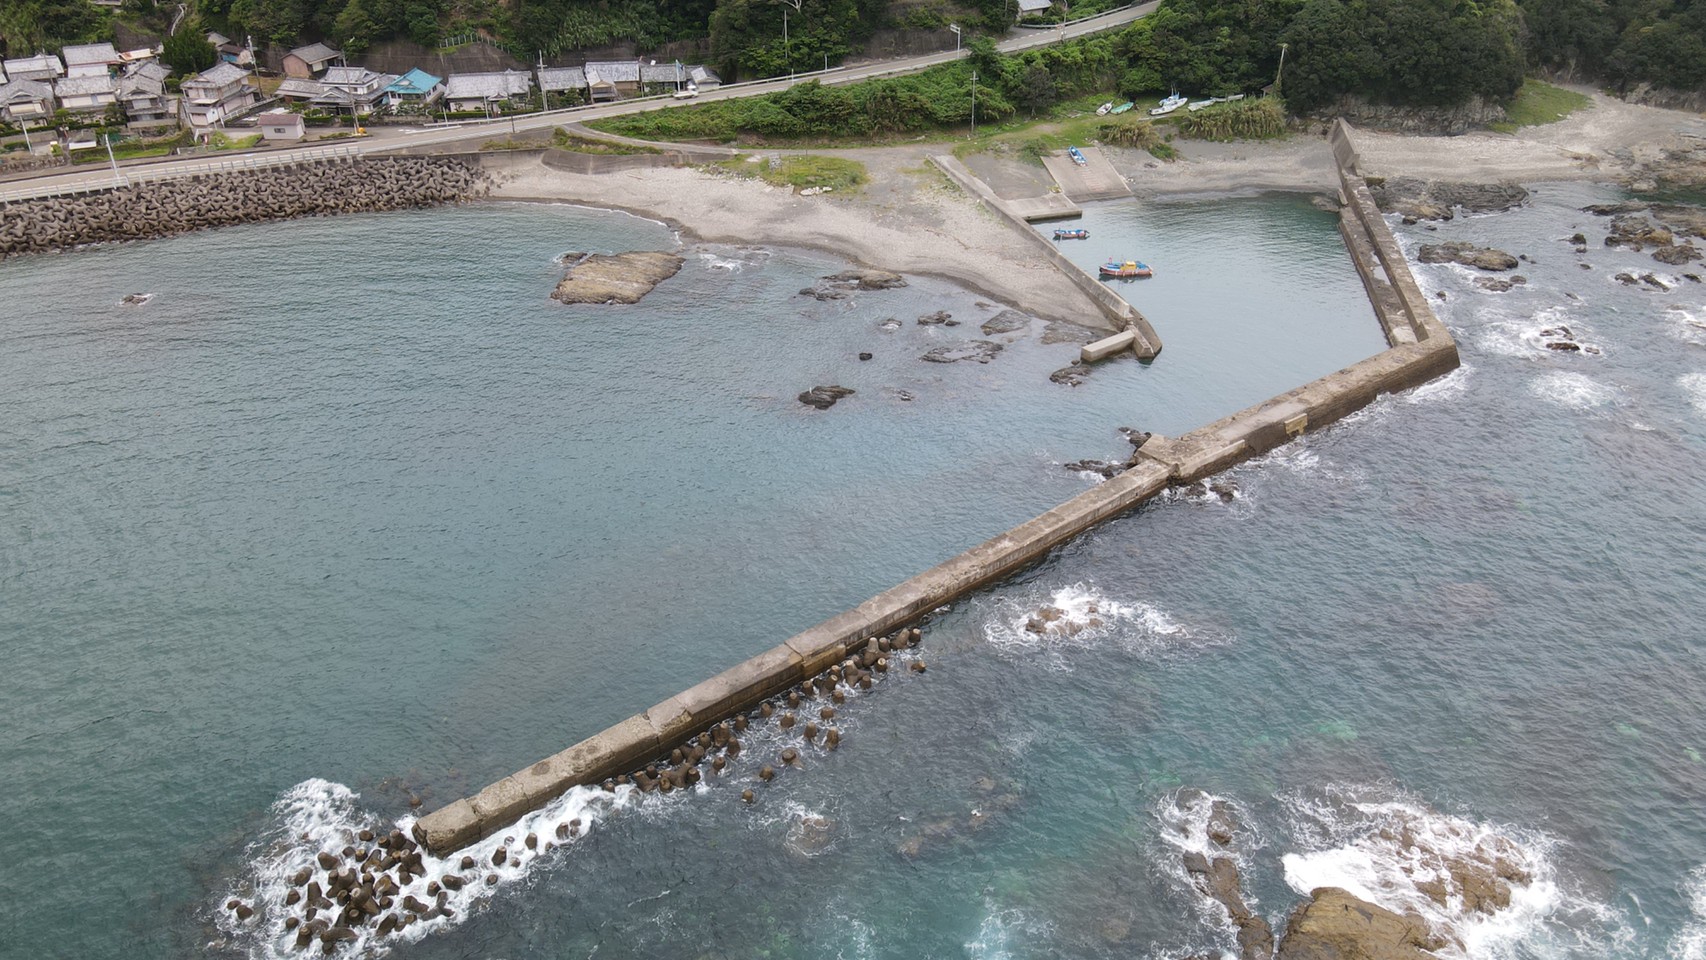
<point>388,139</point>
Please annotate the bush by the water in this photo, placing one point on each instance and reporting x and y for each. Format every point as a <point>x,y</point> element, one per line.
<point>1261,119</point>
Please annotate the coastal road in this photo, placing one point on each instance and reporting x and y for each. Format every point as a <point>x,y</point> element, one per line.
<point>391,139</point>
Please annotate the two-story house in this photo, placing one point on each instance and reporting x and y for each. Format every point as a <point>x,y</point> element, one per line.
<point>356,89</point>
<point>25,100</point>
<point>142,91</point>
<point>216,94</point>
<point>90,93</point>
<point>42,66</point>
<point>90,60</point>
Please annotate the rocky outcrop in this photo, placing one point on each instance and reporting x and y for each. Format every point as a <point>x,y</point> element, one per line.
<point>1467,254</point>
<point>1416,120</point>
<point>165,207</point>
<point>1637,226</point>
<point>939,318</point>
<point>1415,199</point>
<point>1334,925</point>
<point>866,279</point>
<point>1500,284</point>
<point>825,397</point>
<point>615,277</point>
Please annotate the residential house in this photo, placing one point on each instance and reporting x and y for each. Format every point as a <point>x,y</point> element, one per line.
<point>298,90</point>
<point>230,50</point>
<point>487,91</point>
<point>353,88</point>
<point>662,77</point>
<point>25,100</point>
<point>216,94</point>
<point>281,125</point>
<point>610,79</point>
<point>42,66</point>
<point>1028,7</point>
<point>90,60</point>
<point>310,61</point>
<point>704,78</point>
<point>86,94</point>
<point>417,88</point>
<point>568,83</point>
<point>142,91</point>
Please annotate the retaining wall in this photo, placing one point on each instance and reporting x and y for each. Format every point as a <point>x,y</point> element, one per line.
<point>1162,461</point>
<point>1116,312</point>
<point>164,207</point>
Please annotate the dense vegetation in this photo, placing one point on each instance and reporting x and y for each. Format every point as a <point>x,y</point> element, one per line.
<point>1422,52</point>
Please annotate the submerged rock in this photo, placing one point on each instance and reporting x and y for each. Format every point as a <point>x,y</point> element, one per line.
<point>614,278</point>
<point>823,293</point>
<point>941,317</point>
<point>1498,285</point>
<point>1007,321</point>
<point>825,397</point>
<point>1467,254</point>
<point>1059,331</point>
<point>1105,469</point>
<point>981,351</point>
<point>1677,254</point>
<point>1072,376</point>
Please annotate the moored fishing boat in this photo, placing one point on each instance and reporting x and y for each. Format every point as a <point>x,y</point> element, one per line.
<point>1077,233</point>
<point>1168,105</point>
<point>1125,269</point>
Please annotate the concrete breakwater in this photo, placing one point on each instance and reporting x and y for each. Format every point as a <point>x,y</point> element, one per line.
<point>1420,350</point>
<point>165,207</point>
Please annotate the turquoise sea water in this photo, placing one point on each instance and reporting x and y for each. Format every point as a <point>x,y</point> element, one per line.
<point>330,514</point>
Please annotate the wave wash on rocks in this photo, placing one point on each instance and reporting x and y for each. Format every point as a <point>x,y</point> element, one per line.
<point>165,207</point>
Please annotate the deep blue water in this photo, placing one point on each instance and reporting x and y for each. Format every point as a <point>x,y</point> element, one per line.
<point>402,525</point>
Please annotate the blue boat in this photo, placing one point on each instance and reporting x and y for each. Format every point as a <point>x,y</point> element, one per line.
<point>1075,234</point>
<point>1124,269</point>
<point>1076,155</point>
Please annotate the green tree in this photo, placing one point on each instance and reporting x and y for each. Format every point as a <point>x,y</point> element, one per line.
<point>188,51</point>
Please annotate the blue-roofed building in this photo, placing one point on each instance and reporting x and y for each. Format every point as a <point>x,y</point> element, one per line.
<point>417,88</point>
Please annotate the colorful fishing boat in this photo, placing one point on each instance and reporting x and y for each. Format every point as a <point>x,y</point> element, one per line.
<point>1125,269</point>
<point>1076,155</point>
<point>1078,233</point>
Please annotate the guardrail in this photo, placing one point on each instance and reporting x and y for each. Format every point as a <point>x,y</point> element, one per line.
<point>125,179</point>
<point>1072,23</point>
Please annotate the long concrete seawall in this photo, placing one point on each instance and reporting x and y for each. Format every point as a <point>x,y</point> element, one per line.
<point>1115,310</point>
<point>1422,350</point>
<point>165,207</point>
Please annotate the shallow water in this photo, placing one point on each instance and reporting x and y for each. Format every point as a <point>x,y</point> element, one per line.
<point>351,502</point>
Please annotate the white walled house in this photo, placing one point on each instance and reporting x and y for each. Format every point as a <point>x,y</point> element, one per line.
<point>86,94</point>
<point>217,94</point>
<point>487,91</point>
<point>142,92</point>
<point>90,60</point>
<point>42,66</point>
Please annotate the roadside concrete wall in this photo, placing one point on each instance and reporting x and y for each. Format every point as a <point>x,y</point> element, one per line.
<point>1117,313</point>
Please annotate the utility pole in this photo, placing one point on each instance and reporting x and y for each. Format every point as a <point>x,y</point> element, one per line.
<point>974,103</point>
<point>1281,71</point>
<point>787,51</point>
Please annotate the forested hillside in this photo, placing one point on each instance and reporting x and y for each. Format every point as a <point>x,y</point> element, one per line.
<point>1421,52</point>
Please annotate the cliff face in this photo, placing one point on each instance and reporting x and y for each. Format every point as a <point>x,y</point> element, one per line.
<point>1416,120</point>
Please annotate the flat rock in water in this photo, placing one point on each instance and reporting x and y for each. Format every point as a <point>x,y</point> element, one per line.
<point>1072,376</point>
<point>824,397</point>
<point>1498,284</point>
<point>867,279</point>
<point>614,278</point>
<point>1437,200</point>
<point>1059,331</point>
<point>942,317</point>
<point>1467,254</point>
<point>1007,321</point>
<point>981,351</point>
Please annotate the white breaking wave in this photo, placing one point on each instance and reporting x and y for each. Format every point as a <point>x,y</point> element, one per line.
<point>998,933</point>
<point>1578,391</point>
<point>1490,891</point>
<point>1694,384</point>
<point>736,263</point>
<point>1690,326</point>
<point>1184,819</point>
<point>1078,616</point>
<point>318,815</point>
<point>1689,943</point>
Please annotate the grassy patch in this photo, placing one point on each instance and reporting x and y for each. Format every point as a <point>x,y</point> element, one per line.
<point>1539,102</point>
<point>1262,119</point>
<point>510,143</point>
<point>220,141</point>
<point>564,140</point>
<point>801,171</point>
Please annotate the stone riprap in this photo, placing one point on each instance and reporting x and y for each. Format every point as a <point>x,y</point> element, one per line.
<point>162,208</point>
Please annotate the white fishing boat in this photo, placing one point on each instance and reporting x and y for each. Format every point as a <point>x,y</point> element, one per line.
<point>1168,105</point>
<point>1102,110</point>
